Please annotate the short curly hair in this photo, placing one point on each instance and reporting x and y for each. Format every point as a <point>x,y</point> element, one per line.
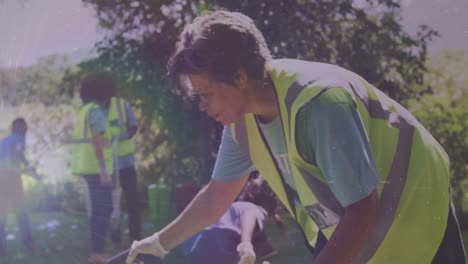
<point>219,44</point>
<point>98,87</point>
<point>19,126</point>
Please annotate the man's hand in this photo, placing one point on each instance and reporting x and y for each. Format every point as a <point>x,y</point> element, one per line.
<point>246,253</point>
<point>150,245</point>
<point>105,178</point>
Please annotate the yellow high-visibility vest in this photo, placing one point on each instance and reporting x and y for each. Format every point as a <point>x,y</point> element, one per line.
<point>118,119</point>
<point>412,166</point>
<point>84,160</point>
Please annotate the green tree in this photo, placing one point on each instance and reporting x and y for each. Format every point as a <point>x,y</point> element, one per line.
<point>443,112</point>
<point>446,76</point>
<point>141,35</point>
<point>38,83</point>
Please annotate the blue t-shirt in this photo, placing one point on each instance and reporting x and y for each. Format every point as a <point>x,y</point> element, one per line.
<point>11,151</point>
<point>231,219</point>
<point>330,132</point>
<point>97,120</point>
<point>230,222</point>
<point>128,160</point>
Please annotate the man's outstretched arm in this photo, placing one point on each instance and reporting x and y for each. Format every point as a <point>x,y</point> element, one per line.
<point>207,207</point>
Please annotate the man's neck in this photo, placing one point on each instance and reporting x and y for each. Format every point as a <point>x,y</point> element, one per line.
<point>265,102</point>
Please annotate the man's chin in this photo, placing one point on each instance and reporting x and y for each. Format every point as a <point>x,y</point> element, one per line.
<point>225,123</point>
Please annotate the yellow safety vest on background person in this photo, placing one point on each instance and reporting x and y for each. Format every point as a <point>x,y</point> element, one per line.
<point>84,160</point>
<point>117,118</point>
<point>413,168</point>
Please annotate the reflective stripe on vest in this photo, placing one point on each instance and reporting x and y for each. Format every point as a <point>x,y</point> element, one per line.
<point>245,130</point>
<point>85,139</point>
<point>118,119</point>
<point>84,160</point>
<point>413,168</point>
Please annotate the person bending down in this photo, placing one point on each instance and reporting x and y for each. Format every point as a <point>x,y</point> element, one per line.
<point>342,156</point>
<point>238,236</point>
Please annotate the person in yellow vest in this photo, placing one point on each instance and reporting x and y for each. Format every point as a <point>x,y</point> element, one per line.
<point>345,159</point>
<point>121,116</point>
<point>92,156</point>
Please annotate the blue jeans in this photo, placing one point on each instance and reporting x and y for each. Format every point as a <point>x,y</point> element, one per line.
<point>101,209</point>
<point>217,245</point>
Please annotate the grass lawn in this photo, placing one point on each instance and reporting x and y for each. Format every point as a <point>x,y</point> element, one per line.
<point>58,238</point>
<point>63,238</point>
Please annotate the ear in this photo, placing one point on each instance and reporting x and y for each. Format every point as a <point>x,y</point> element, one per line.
<point>242,78</point>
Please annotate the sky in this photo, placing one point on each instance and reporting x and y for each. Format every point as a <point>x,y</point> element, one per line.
<point>30,29</point>
<point>448,17</point>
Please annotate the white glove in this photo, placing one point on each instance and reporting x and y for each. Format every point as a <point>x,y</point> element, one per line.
<point>150,245</point>
<point>246,253</point>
